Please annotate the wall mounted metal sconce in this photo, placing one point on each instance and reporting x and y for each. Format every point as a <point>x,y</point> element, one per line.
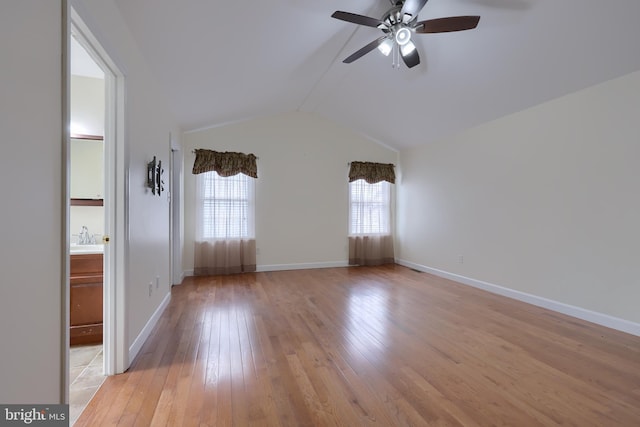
<point>154,176</point>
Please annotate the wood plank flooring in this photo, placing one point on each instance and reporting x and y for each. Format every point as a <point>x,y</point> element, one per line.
<point>383,346</point>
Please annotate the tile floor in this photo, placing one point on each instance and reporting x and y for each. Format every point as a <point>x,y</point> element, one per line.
<point>85,377</point>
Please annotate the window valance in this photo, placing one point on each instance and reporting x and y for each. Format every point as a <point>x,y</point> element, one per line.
<point>372,172</point>
<point>226,163</point>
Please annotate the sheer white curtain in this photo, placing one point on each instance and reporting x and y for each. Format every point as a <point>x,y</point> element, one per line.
<point>225,235</point>
<point>370,237</point>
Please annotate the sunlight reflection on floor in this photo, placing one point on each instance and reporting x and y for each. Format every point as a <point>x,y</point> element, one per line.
<point>368,313</point>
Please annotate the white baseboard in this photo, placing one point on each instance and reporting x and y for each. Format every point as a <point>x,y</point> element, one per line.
<point>299,266</point>
<point>182,276</point>
<point>570,310</point>
<point>146,331</point>
<point>302,266</point>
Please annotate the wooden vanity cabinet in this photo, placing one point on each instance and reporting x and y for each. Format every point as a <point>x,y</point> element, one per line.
<point>86,299</point>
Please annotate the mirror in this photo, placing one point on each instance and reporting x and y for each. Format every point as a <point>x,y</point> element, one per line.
<point>87,170</point>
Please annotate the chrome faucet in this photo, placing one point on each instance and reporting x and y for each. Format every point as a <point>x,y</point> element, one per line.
<point>84,238</point>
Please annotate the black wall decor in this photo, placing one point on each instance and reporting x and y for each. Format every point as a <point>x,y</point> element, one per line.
<point>154,176</point>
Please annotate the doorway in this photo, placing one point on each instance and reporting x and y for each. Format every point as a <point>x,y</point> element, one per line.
<point>96,221</point>
<point>87,225</point>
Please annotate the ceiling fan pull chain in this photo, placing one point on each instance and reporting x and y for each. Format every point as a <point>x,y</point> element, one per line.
<point>396,57</point>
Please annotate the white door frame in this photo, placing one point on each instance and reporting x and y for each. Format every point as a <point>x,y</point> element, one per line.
<point>175,214</point>
<point>116,350</point>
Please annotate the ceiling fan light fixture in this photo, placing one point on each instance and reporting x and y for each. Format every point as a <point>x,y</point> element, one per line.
<point>398,25</point>
<point>385,47</point>
<point>407,49</point>
<point>403,36</point>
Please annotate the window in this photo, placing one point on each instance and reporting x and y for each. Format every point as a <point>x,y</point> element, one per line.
<point>226,206</point>
<point>370,208</point>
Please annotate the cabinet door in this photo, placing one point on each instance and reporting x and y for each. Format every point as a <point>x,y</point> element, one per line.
<point>86,303</point>
<point>87,169</point>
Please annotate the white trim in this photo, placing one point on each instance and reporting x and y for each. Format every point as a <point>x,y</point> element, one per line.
<point>65,237</point>
<point>176,210</point>
<point>116,195</point>
<point>283,267</point>
<point>302,266</point>
<point>148,328</point>
<point>182,275</point>
<point>560,307</point>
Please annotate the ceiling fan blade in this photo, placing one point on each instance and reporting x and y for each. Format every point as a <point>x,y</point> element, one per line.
<point>413,7</point>
<point>357,19</point>
<point>445,25</point>
<point>409,54</point>
<point>368,48</point>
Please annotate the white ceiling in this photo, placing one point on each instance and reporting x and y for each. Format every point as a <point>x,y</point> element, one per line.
<point>222,62</point>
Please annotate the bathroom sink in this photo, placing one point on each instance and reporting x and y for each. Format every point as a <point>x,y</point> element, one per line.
<point>86,249</point>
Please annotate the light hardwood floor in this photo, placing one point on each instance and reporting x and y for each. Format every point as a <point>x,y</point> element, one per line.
<point>383,346</point>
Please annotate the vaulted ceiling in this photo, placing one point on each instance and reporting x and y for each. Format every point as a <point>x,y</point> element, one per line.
<point>222,62</point>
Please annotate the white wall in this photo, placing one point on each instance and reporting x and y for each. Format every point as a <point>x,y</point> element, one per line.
<point>32,164</point>
<point>544,201</point>
<point>87,105</point>
<point>148,127</point>
<point>91,217</point>
<point>31,215</point>
<point>301,191</point>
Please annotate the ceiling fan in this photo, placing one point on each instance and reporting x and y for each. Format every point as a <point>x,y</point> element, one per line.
<point>398,25</point>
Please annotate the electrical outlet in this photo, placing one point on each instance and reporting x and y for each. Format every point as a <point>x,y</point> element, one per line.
<point>150,288</point>
<point>461,259</point>
<point>157,282</point>
<point>257,251</point>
